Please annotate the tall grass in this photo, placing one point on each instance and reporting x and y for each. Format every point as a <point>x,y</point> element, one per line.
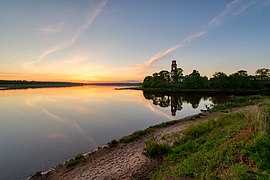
<point>234,146</point>
<point>154,149</point>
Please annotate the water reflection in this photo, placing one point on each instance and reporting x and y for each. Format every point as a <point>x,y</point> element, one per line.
<point>40,128</point>
<point>176,100</point>
<point>36,103</point>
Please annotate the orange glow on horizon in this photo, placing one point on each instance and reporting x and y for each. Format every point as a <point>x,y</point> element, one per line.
<point>68,78</point>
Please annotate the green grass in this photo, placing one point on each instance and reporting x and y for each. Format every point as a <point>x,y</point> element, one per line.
<point>136,135</point>
<point>153,149</point>
<point>113,143</point>
<point>165,124</point>
<point>72,162</point>
<point>234,146</point>
<point>238,101</point>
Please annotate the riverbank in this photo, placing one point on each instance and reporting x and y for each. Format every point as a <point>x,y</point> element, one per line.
<point>126,159</point>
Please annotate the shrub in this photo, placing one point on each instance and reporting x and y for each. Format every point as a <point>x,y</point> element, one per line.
<point>153,149</point>
<point>112,143</point>
<point>72,162</point>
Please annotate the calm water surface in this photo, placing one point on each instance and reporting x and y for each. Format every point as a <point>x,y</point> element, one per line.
<point>40,128</point>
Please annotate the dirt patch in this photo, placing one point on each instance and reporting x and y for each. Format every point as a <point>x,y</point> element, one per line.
<point>245,134</point>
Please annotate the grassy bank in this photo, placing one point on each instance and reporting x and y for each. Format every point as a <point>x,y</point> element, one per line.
<point>234,146</point>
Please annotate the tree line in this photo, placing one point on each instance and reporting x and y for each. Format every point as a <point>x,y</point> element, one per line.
<point>219,80</point>
<point>23,84</point>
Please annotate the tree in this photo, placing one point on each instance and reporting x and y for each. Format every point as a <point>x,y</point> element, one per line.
<point>239,80</point>
<point>179,72</point>
<point>263,74</point>
<point>147,82</point>
<point>157,80</point>
<point>219,80</point>
<point>195,81</point>
<point>179,75</point>
<point>242,73</point>
<point>164,75</point>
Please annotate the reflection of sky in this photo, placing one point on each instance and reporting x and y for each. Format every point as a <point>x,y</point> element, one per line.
<point>42,127</point>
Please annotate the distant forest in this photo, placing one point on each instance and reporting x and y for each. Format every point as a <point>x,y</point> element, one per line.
<point>219,80</point>
<point>22,84</point>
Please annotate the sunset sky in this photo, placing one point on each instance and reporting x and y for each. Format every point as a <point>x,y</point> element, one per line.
<point>125,40</point>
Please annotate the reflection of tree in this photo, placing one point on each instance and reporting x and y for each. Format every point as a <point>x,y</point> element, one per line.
<point>193,99</point>
<point>163,101</point>
<point>174,100</point>
<point>219,99</point>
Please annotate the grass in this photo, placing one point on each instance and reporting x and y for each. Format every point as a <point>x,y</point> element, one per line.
<point>113,143</point>
<point>72,162</point>
<point>234,146</point>
<point>238,101</point>
<point>154,149</point>
<point>138,134</point>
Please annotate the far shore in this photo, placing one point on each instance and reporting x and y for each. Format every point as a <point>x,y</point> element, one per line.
<point>22,84</point>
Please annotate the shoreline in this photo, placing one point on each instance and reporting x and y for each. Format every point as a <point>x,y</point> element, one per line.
<point>23,84</point>
<point>125,160</point>
<point>178,90</point>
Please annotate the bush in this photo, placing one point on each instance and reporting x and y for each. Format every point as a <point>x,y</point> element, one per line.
<point>153,149</point>
<point>112,143</point>
<point>79,158</point>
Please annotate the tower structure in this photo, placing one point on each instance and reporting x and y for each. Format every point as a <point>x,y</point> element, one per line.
<point>173,71</point>
<point>174,66</point>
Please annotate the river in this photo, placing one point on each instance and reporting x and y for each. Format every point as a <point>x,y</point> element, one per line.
<point>40,128</point>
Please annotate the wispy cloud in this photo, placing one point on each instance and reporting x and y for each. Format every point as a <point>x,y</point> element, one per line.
<point>80,31</point>
<point>245,7</point>
<point>219,19</point>
<point>52,29</point>
<point>162,54</point>
<point>70,123</point>
<point>235,7</point>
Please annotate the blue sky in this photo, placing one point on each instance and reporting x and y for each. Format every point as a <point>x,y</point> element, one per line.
<point>123,40</point>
